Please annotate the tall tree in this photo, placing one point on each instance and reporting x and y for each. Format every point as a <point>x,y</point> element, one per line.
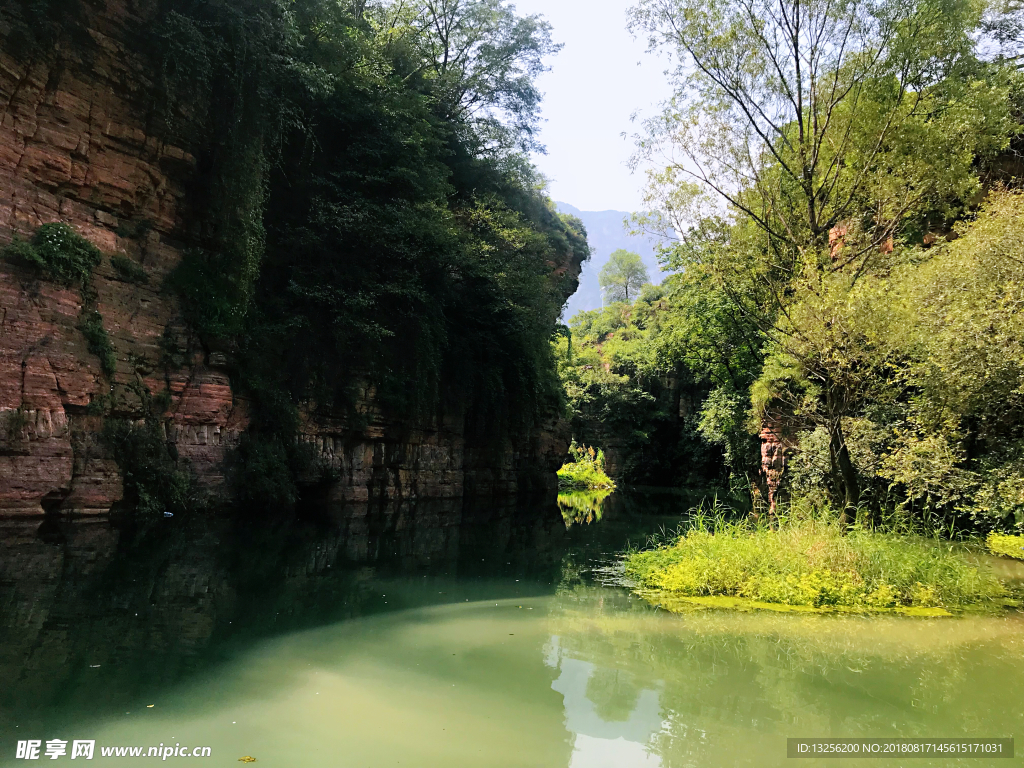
<point>623,276</point>
<point>804,138</point>
<point>798,113</point>
<point>480,61</point>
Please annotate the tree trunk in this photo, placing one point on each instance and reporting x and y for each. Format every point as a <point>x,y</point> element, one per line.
<point>844,474</point>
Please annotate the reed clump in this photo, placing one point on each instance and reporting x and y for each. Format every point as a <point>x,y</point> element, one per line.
<point>804,558</point>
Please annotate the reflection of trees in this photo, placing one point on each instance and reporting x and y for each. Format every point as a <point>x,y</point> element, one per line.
<point>582,506</point>
<point>613,693</point>
<point>733,685</point>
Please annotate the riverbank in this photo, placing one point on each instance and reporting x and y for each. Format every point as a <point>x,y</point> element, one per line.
<point>813,565</point>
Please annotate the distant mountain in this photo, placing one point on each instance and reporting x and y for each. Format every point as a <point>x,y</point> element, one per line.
<point>606,233</point>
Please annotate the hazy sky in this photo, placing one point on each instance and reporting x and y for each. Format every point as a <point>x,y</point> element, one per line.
<point>598,80</point>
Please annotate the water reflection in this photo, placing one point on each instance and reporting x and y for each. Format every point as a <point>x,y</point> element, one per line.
<point>452,635</point>
<point>95,614</point>
<point>582,507</point>
<point>611,717</point>
<point>733,686</point>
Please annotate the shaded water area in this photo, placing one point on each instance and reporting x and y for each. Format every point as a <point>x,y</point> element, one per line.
<point>453,634</point>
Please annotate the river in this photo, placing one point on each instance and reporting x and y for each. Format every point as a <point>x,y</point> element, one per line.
<point>452,635</point>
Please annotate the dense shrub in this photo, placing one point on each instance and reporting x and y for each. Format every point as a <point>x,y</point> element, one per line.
<point>584,470</point>
<point>56,252</point>
<point>153,482</point>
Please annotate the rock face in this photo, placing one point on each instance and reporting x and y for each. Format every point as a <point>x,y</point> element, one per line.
<point>777,443</point>
<point>75,148</point>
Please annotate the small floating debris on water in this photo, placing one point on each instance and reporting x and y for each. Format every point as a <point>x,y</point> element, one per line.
<point>93,666</point>
<point>150,706</point>
<point>247,759</point>
<point>168,514</point>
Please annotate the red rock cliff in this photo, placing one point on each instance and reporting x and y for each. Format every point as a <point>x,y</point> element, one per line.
<point>74,148</point>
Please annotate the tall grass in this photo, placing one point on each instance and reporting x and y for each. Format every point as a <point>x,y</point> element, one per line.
<point>808,559</point>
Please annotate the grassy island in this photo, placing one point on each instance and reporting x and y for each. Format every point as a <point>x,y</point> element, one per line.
<point>584,470</point>
<point>812,564</point>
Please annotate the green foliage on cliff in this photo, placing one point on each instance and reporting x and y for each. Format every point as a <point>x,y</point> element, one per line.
<point>56,252</point>
<point>35,26</point>
<point>154,484</point>
<point>368,224</point>
<point>91,325</point>
<point>128,270</point>
<point>264,473</point>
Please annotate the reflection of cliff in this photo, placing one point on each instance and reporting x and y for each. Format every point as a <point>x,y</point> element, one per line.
<point>94,615</point>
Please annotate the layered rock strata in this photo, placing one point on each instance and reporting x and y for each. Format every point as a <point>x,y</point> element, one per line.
<point>75,148</point>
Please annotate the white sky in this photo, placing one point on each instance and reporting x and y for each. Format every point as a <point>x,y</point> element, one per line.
<point>598,80</point>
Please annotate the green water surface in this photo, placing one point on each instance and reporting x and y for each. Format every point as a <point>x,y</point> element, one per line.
<point>453,636</point>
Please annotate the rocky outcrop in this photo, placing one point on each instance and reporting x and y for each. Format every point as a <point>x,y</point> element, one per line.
<point>777,444</point>
<point>75,147</point>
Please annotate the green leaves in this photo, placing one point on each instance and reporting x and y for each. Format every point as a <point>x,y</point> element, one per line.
<point>622,276</point>
<point>370,227</point>
<point>478,60</point>
<point>805,116</point>
<point>98,339</point>
<point>810,149</point>
<point>57,253</point>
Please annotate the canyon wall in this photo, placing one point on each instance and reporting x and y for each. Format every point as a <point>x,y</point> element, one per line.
<point>75,147</point>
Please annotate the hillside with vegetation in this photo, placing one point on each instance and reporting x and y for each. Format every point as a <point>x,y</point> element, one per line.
<point>843,228</point>
<point>605,234</point>
<point>836,350</point>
